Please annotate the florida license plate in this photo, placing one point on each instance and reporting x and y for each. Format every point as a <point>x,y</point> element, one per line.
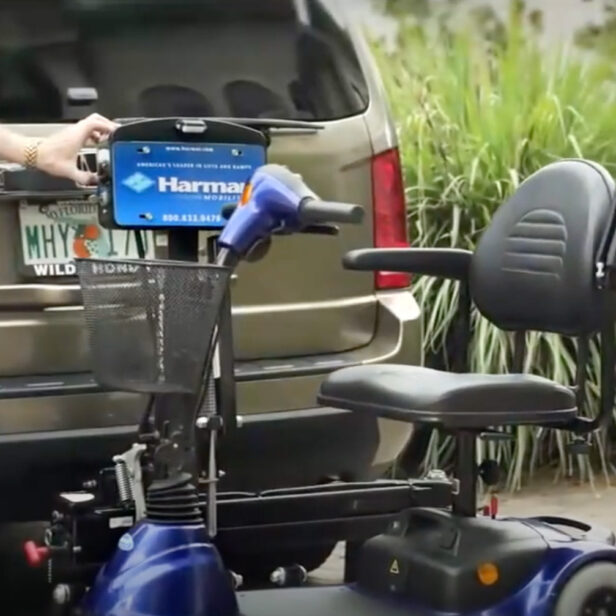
<point>54,234</point>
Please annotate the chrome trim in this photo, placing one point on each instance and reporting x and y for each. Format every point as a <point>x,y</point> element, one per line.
<point>303,306</point>
<point>68,297</point>
<point>32,296</point>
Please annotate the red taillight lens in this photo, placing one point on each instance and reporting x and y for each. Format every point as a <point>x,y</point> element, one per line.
<point>390,226</point>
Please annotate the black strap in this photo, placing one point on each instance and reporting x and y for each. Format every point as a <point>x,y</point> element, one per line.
<point>606,256</point>
<point>140,244</point>
<point>519,352</point>
<point>462,330</point>
<point>585,425</point>
<point>580,372</point>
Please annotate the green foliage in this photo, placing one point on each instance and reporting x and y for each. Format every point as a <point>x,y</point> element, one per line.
<point>479,109</point>
<point>403,8</point>
<point>601,38</point>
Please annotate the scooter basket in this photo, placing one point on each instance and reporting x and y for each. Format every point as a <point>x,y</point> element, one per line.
<point>151,324</point>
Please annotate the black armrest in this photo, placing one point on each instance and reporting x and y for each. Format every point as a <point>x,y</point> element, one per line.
<point>440,262</point>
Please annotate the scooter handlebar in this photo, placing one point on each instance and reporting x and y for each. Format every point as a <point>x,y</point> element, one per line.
<point>276,200</point>
<point>313,211</point>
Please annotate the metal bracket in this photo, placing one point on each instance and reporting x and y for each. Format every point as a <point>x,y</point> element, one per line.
<point>437,474</point>
<point>191,126</point>
<point>455,487</point>
<point>600,274</point>
<point>132,460</point>
<point>213,424</point>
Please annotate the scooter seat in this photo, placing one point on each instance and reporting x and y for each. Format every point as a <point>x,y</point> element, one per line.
<point>421,395</point>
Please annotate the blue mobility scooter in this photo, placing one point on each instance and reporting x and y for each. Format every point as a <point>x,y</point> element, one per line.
<point>543,264</point>
<point>201,165</point>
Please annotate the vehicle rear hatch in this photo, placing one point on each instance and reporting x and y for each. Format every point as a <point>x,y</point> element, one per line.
<point>271,59</point>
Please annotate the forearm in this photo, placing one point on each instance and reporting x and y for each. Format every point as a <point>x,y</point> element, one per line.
<point>13,146</point>
<point>57,154</point>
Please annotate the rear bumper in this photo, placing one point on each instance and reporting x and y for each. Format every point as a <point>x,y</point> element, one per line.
<point>50,441</point>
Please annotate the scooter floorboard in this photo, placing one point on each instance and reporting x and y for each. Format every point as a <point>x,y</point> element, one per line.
<point>323,601</point>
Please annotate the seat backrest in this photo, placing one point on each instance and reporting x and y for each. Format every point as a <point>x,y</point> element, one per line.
<point>535,266</point>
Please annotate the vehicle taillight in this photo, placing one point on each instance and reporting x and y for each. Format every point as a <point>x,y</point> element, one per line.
<point>390,225</point>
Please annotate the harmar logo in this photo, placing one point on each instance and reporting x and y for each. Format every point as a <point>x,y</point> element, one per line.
<point>138,182</point>
<point>176,185</point>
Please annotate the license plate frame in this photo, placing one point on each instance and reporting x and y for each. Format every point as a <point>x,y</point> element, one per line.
<point>61,217</point>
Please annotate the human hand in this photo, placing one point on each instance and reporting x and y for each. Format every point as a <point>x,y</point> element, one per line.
<point>57,155</point>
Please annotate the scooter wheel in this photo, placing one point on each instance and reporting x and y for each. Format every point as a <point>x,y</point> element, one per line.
<point>590,592</point>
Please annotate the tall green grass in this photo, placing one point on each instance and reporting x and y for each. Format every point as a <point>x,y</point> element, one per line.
<point>478,110</point>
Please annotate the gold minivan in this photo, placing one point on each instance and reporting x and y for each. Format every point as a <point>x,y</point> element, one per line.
<point>297,313</point>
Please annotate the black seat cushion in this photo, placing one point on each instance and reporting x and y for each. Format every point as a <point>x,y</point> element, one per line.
<point>420,395</point>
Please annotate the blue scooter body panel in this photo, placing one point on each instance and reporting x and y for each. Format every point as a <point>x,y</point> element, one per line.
<point>169,570</point>
<point>565,556</point>
<point>160,570</point>
<point>536,598</point>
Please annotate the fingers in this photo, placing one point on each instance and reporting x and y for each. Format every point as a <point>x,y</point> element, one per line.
<point>84,178</point>
<point>58,153</point>
<point>106,123</point>
<point>96,127</point>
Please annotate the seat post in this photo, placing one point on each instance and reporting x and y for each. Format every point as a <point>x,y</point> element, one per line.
<point>465,501</point>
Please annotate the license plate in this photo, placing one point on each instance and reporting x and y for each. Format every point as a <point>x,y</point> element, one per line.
<point>54,234</point>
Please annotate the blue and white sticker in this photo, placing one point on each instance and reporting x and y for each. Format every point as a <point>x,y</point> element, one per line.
<point>126,543</point>
<point>175,184</point>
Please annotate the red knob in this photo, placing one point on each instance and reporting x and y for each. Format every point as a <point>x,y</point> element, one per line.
<point>494,506</point>
<point>36,555</point>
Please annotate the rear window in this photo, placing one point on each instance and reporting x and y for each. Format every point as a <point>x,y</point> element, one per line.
<point>286,59</point>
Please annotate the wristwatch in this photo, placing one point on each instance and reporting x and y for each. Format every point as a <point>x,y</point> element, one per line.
<point>31,153</point>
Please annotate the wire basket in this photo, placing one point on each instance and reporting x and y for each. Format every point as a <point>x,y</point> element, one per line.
<point>151,324</point>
